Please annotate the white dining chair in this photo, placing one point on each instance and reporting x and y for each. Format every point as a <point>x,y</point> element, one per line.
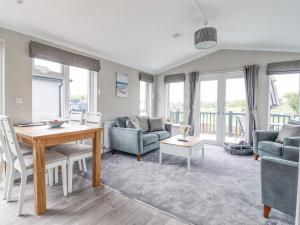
<point>79,151</point>
<point>7,160</point>
<point>24,164</point>
<point>75,117</point>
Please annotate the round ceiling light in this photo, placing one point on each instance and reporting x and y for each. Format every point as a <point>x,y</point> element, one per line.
<point>205,38</point>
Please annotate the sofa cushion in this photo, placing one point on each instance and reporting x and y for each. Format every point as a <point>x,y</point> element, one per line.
<point>156,124</point>
<point>131,124</point>
<point>161,134</point>
<point>121,121</point>
<point>149,139</point>
<point>142,122</point>
<point>270,146</point>
<point>288,130</point>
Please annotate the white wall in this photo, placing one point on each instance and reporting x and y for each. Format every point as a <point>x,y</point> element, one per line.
<point>18,81</point>
<point>228,60</point>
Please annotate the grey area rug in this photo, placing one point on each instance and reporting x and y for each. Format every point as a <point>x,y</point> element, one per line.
<point>220,189</point>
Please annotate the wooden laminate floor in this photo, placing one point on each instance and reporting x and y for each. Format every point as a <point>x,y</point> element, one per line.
<point>86,206</point>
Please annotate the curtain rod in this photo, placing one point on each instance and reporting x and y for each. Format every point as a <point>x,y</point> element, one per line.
<point>225,70</point>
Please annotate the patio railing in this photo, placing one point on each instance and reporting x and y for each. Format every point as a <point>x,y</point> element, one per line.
<point>208,121</point>
<point>78,106</point>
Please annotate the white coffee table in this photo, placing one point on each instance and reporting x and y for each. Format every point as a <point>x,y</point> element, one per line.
<point>173,146</point>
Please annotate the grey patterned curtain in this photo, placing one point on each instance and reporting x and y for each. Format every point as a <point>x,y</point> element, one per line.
<point>251,82</point>
<point>193,78</point>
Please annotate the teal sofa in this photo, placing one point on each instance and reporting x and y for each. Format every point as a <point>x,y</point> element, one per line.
<point>136,141</point>
<point>264,144</point>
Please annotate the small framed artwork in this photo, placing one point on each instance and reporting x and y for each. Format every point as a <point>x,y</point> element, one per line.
<point>122,85</point>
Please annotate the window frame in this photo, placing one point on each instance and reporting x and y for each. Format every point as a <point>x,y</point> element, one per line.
<point>167,111</point>
<point>148,97</point>
<point>269,125</point>
<point>65,77</point>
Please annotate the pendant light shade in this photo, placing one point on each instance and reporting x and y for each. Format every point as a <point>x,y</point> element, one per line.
<point>205,38</point>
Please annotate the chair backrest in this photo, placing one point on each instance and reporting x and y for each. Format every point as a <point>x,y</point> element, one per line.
<point>11,140</point>
<point>76,117</point>
<point>93,118</point>
<point>3,143</point>
<point>241,124</point>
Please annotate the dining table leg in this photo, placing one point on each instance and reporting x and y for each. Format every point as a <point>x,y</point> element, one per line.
<point>96,159</point>
<point>39,177</point>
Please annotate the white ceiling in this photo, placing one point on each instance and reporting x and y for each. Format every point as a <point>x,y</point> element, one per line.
<point>138,33</point>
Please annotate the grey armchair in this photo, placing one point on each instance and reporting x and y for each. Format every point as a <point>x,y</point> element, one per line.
<point>279,179</point>
<point>264,144</point>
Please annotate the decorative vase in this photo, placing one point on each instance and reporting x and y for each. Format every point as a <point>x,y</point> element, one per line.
<point>185,129</point>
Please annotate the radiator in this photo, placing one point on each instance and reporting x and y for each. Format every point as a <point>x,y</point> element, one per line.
<point>106,136</point>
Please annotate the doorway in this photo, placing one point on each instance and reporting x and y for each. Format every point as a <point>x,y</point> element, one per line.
<point>222,108</point>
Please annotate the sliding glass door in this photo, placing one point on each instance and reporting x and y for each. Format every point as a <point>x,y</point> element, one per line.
<point>209,110</point>
<point>222,108</point>
<point>235,110</point>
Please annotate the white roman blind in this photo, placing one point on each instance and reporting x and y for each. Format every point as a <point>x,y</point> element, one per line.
<point>287,67</point>
<point>146,77</point>
<point>50,53</point>
<point>46,101</point>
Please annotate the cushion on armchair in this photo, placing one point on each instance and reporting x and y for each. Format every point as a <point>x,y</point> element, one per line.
<point>270,146</point>
<point>288,130</point>
<point>149,139</point>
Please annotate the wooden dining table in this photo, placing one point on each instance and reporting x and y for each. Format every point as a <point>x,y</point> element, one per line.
<point>42,137</point>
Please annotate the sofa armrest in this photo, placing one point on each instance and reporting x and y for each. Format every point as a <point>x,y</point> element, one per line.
<point>279,179</point>
<point>290,153</point>
<point>169,127</point>
<point>291,141</point>
<point>127,140</point>
<point>263,135</point>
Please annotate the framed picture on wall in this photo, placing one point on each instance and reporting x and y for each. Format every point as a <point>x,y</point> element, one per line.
<point>122,85</point>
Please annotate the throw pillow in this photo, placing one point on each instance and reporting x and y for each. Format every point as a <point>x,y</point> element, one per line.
<point>131,124</point>
<point>157,124</point>
<point>288,130</point>
<point>143,123</point>
<point>121,121</point>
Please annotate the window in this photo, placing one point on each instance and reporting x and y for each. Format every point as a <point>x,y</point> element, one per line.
<point>58,89</point>
<point>1,76</point>
<point>47,66</point>
<point>145,98</point>
<point>47,97</point>
<point>284,99</point>
<point>175,100</point>
<point>79,85</point>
